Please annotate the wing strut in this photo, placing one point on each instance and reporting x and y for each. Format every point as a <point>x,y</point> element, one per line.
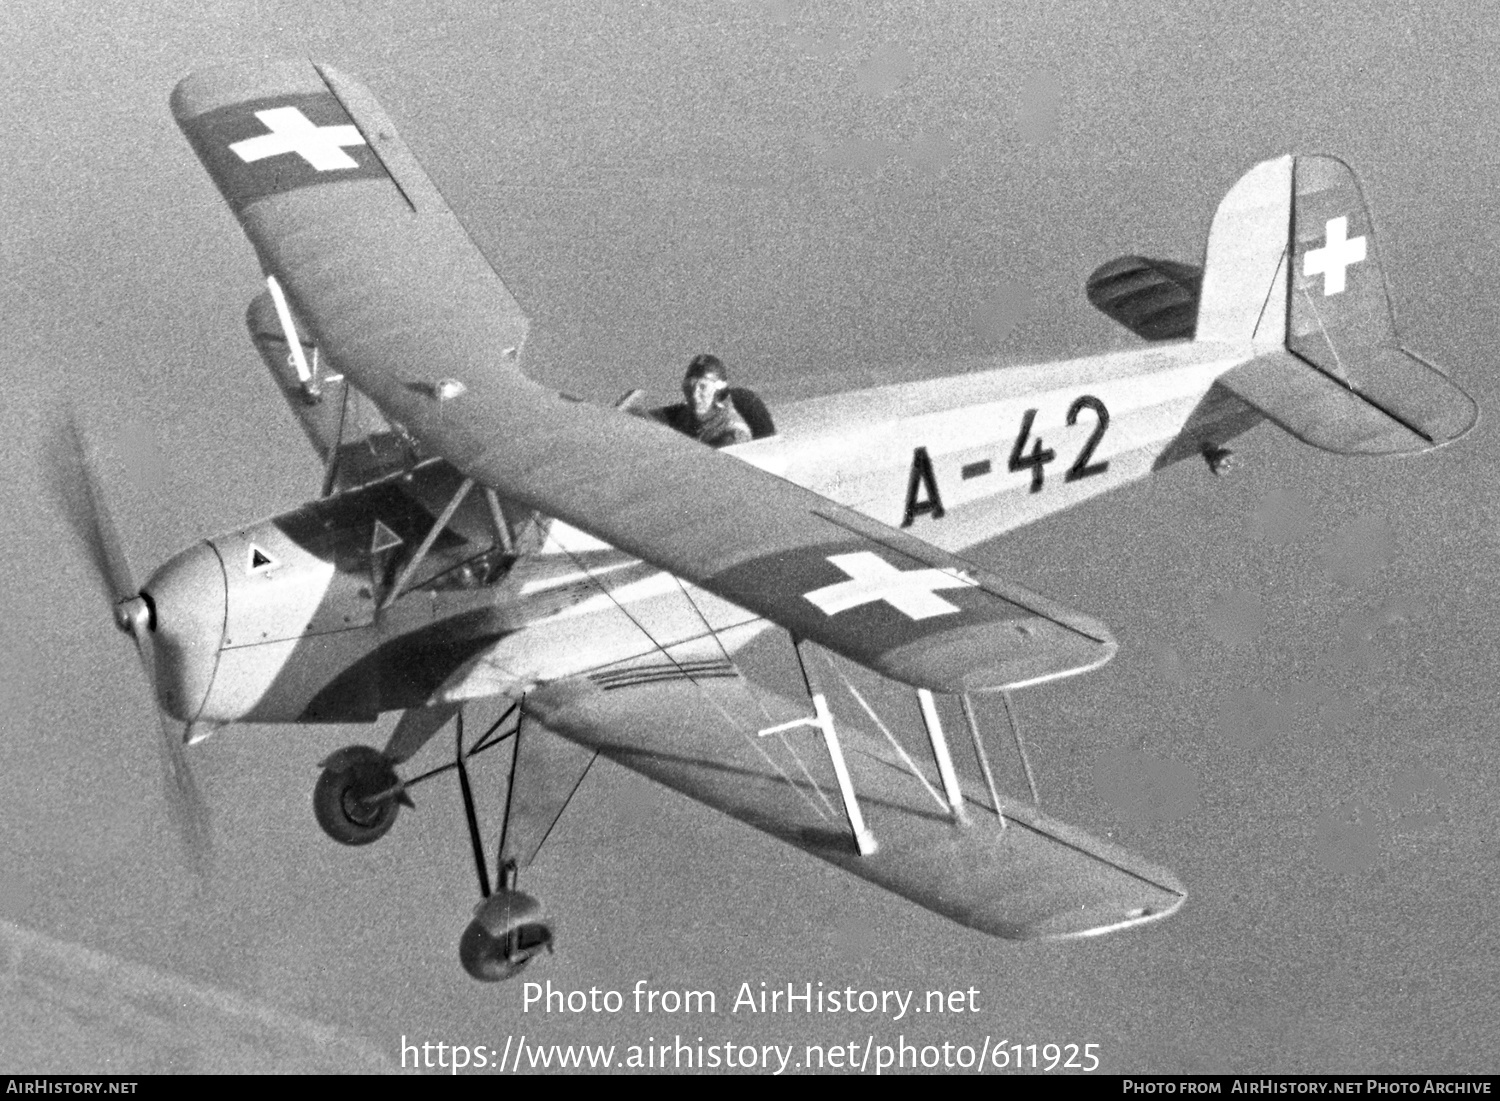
<point>330,468</point>
<point>497,517</point>
<point>984,758</point>
<point>1015,730</point>
<point>822,720</point>
<point>307,375</point>
<point>331,464</point>
<point>940,753</point>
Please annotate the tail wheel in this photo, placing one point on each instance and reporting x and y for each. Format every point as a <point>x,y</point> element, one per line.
<point>506,932</point>
<point>356,799</point>
<point>489,958</point>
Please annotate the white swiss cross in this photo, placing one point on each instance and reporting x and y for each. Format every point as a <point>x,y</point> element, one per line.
<point>872,578</point>
<point>294,132</point>
<point>1336,255</point>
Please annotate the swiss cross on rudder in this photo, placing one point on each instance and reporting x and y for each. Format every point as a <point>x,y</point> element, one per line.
<point>1339,252</point>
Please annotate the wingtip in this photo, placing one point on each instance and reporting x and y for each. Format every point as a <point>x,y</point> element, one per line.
<point>214,86</point>
<point>1000,656</point>
<point>1097,921</point>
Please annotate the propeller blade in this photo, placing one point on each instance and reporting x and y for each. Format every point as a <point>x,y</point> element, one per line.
<point>185,803</point>
<point>75,485</point>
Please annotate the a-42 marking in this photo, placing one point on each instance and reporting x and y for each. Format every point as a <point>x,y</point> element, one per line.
<point>923,498</point>
<point>1040,456</point>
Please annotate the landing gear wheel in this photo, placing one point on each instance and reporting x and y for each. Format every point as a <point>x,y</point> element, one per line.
<point>343,800</point>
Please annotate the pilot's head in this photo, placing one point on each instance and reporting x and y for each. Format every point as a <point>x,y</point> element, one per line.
<point>704,384</point>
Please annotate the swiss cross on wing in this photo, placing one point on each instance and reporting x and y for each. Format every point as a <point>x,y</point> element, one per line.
<point>266,147</point>
<point>870,592</point>
<point>290,133</point>
<point>872,579</point>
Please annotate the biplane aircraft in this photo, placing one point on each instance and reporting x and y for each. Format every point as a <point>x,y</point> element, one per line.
<point>604,579</point>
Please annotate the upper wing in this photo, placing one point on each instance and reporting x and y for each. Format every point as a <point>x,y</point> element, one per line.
<point>393,290</point>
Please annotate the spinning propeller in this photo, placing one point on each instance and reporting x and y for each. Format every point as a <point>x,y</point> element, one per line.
<point>77,490</point>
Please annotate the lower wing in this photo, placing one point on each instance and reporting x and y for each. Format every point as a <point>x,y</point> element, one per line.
<point>1016,873</point>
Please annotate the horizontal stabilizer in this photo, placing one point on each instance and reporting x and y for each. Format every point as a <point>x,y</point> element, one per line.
<point>1155,299</point>
<point>1317,409</point>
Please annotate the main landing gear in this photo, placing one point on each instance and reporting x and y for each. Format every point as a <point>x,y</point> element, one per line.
<point>358,795</point>
<point>356,801</point>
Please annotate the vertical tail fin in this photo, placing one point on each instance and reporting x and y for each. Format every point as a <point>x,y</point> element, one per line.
<point>1293,270</point>
<point>1244,276</point>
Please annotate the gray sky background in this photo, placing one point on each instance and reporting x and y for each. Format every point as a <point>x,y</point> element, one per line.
<point>820,193</point>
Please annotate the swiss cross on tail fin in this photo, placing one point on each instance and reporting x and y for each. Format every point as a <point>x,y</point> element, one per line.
<point>1338,307</point>
<point>1339,317</point>
<point>1333,259</point>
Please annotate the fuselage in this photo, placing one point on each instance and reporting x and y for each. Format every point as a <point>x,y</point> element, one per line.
<point>321,617</point>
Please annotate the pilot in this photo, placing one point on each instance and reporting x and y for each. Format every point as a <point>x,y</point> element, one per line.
<point>708,414</point>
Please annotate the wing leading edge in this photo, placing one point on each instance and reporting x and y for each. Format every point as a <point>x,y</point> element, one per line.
<point>394,291</point>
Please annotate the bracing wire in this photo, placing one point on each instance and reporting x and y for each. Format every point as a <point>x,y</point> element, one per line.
<point>759,703</point>
<point>687,675</point>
